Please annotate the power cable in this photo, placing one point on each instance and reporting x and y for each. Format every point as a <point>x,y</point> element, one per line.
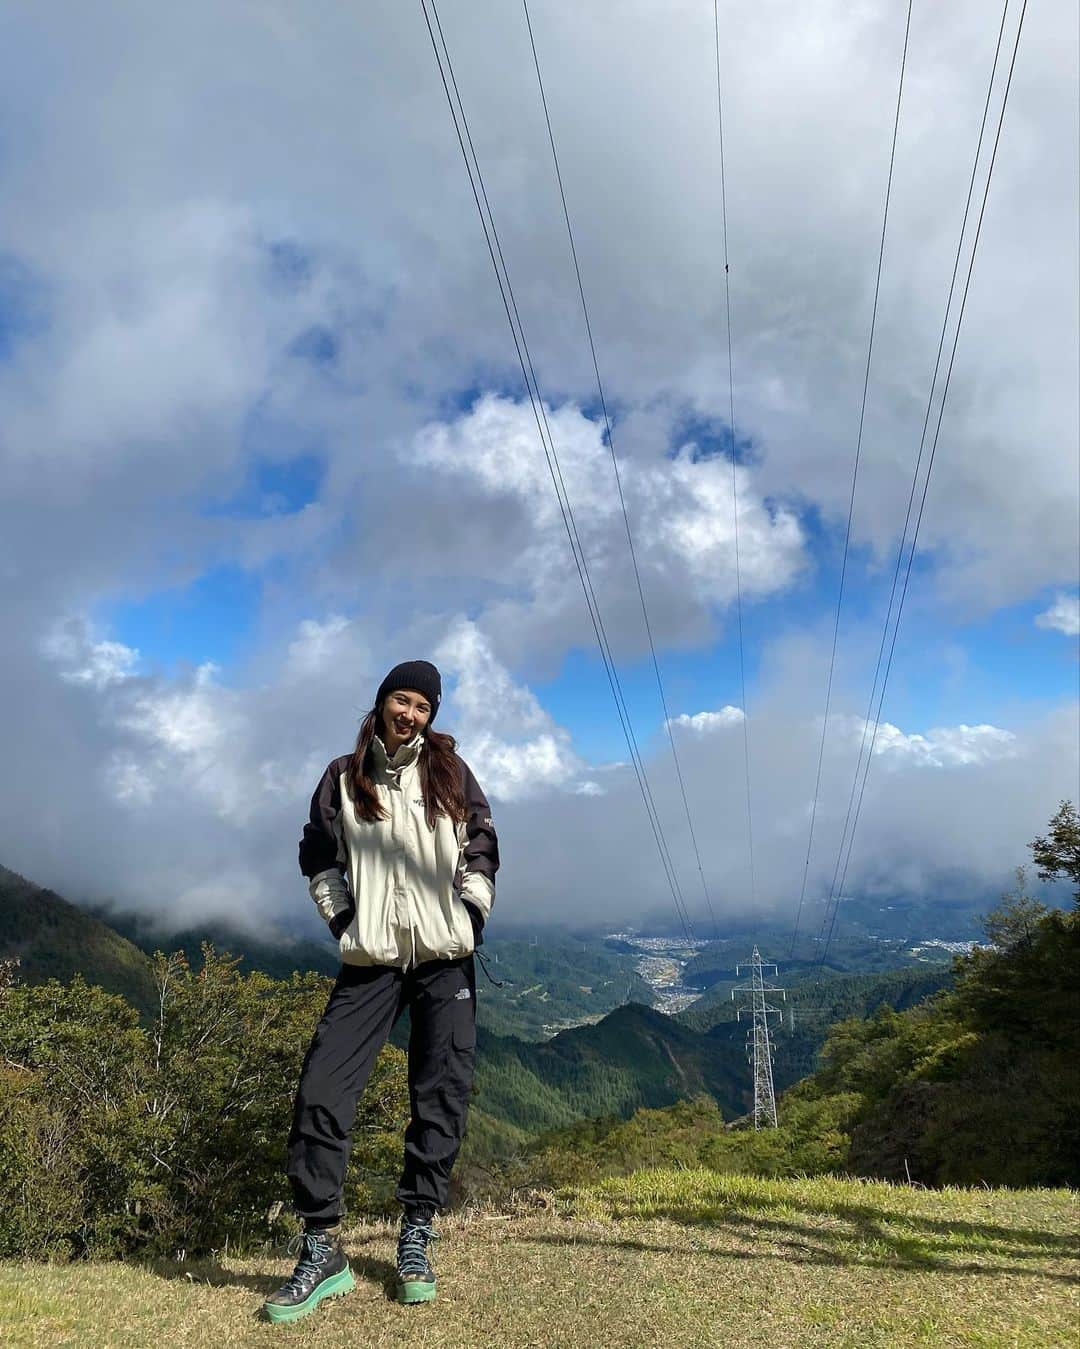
<point>734,470</point>
<point>836,878</point>
<point>610,438</point>
<point>838,889</point>
<point>854,481</point>
<point>464,137</point>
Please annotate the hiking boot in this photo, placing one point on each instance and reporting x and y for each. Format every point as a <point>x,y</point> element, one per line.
<point>415,1267</point>
<point>322,1271</point>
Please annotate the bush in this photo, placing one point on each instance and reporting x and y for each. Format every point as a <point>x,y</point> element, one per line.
<point>812,1139</point>
<point>115,1138</point>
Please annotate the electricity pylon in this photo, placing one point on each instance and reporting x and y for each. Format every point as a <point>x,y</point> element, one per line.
<point>758,1048</point>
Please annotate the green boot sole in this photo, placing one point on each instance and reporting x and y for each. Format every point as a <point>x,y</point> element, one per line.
<point>336,1286</point>
<point>416,1290</point>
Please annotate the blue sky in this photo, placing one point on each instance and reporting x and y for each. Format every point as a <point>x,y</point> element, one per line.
<point>945,669</point>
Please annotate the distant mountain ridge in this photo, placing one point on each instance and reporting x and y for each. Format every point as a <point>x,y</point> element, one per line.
<point>279,957</point>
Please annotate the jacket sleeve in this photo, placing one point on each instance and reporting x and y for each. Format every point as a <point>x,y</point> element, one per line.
<point>322,851</point>
<point>480,855</point>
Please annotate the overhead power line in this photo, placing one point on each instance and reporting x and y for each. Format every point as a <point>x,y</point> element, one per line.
<point>734,468</point>
<point>609,436</point>
<point>517,330</point>
<point>854,480</point>
<point>838,880</point>
<point>840,875</point>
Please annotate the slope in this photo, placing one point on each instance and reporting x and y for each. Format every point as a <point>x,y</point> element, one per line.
<point>634,1057</point>
<point>813,1003</point>
<point>52,939</point>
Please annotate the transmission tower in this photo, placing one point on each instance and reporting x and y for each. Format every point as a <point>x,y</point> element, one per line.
<point>758,1048</point>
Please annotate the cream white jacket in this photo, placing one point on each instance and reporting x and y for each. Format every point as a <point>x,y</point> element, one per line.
<point>394,891</point>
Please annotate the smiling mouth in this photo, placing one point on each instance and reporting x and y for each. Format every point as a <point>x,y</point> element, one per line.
<point>403,728</point>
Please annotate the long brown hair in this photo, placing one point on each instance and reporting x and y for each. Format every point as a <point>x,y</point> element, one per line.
<point>440,774</point>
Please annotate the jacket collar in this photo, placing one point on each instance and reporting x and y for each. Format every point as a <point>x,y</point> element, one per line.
<point>405,756</point>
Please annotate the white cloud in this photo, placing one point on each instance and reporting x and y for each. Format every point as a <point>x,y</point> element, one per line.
<point>1062,616</point>
<point>84,660</point>
<point>942,747</point>
<point>192,734</point>
<point>319,648</point>
<point>701,527</point>
<point>167,361</point>
<point>179,788</point>
<point>705,723</point>
<point>681,516</point>
<point>514,747</point>
<point>108,663</point>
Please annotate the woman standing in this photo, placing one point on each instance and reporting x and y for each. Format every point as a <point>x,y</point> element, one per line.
<point>401,854</point>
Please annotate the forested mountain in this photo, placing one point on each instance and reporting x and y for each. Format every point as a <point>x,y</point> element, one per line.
<point>52,939</point>
<point>911,1064</point>
<point>624,1057</point>
<point>814,1002</point>
<point>813,996</point>
<point>979,1084</point>
<point>634,1057</point>
<point>552,983</point>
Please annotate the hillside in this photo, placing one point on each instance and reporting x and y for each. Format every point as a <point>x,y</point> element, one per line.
<point>823,997</point>
<point>633,1057</point>
<point>650,1118</point>
<point>612,1065</point>
<point>679,1258</point>
<point>553,983</point>
<point>981,1083</point>
<point>53,939</point>
<point>814,1002</point>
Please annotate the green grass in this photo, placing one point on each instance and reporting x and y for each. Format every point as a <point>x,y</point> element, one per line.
<point>672,1258</point>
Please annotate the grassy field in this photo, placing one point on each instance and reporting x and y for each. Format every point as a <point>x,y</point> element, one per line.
<point>664,1258</point>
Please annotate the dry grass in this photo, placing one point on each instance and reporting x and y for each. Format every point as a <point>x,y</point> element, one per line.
<point>667,1259</point>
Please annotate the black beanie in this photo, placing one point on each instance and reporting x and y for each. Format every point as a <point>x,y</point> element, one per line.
<point>420,675</point>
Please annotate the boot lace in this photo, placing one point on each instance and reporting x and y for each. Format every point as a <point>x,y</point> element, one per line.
<point>412,1249</point>
<point>314,1249</point>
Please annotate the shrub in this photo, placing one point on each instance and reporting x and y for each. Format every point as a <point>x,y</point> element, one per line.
<point>116,1138</point>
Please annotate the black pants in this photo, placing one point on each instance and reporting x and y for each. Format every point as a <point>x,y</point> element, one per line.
<point>365,1003</point>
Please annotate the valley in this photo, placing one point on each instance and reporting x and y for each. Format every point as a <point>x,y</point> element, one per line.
<point>661,962</point>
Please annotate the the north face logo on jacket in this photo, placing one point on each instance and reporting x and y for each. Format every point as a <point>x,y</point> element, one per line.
<point>461,995</point>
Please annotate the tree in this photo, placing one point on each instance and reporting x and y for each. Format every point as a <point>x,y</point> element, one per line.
<point>1057,854</point>
<point>1015,920</point>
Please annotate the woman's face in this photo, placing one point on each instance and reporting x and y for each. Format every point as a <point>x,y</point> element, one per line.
<point>405,712</point>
